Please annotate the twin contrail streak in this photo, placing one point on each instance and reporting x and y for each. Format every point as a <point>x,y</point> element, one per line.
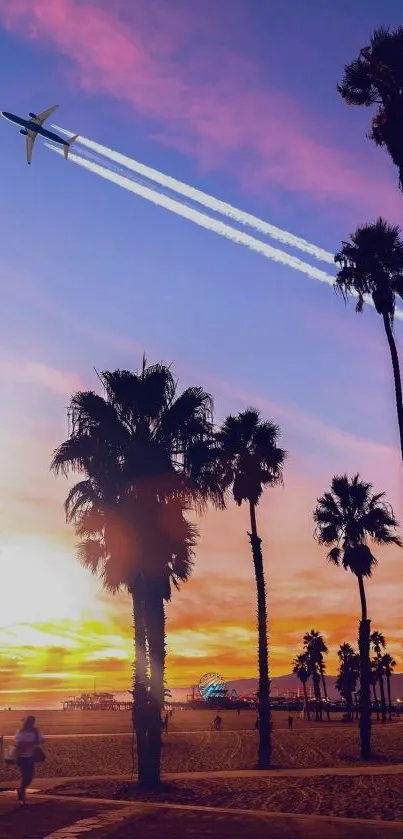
<point>207,201</point>
<point>113,160</point>
<point>199,218</point>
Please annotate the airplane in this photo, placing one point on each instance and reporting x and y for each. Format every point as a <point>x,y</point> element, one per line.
<point>34,126</point>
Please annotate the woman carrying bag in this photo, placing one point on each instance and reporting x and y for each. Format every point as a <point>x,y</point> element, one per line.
<point>27,743</point>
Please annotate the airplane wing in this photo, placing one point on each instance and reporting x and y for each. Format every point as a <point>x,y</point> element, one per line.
<point>40,118</point>
<point>31,137</point>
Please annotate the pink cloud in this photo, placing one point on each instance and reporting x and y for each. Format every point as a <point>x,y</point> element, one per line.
<point>210,101</point>
<point>61,382</point>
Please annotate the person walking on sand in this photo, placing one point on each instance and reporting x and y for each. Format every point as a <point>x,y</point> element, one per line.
<point>290,722</point>
<point>27,741</point>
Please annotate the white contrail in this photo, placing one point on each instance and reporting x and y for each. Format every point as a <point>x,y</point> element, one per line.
<point>199,218</point>
<point>204,199</point>
<point>207,222</point>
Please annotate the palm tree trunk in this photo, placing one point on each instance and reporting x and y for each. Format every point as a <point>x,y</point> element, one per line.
<point>155,622</point>
<point>376,700</point>
<point>389,694</point>
<point>306,701</point>
<point>396,376</point>
<point>264,756</point>
<point>383,698</point>
<point>364,643</point>
<point>365,689</point>
<point>139,709</point>
<point>325,694</point>
<point>350,706</point>
<point>318,697</point>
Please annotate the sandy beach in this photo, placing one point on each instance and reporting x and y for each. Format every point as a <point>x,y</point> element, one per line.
<point>93,743</point>
<point>119,722</point>
<point>366,797</point>
<point>84,744</point>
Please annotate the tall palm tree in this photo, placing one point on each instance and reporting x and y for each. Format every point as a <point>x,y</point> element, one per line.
<point>316,648</point>
<point>376,78</point>
<point>251,460</point>
<point>348,675</point>
<point>389,665</point>
<point>377,640</point>
<point>346,519</point>
<point>169,550</point>
<point>145,453</point>
<point>372,265</point>
<point>301,669</point>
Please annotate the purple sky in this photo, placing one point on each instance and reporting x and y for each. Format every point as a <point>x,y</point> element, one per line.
<point>239,99</point>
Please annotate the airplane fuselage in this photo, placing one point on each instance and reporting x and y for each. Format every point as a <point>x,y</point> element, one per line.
<point>30,125</point>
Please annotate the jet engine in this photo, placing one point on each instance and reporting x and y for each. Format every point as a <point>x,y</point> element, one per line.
<point>23,131</point>
<point>33,116</point>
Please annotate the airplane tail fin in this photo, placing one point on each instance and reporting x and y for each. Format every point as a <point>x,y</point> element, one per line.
<point>69,143</point>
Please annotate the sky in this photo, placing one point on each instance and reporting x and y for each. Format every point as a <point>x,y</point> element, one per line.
<point>237,99</point>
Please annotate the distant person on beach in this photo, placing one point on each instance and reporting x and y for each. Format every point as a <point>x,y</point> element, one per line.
<point>217,723</point>
<point>27,741</point>
<point>290,722</point>
<point>257,724</point>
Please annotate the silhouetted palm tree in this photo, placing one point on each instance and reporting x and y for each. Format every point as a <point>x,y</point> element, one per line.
<point>376,78</point>
<point>145,453</point>
<point>348,675</point>
<point>372,264</point>
<point>377,639</point>
<point>347,518</point>
<point>250,460</point>
<point>316,648</point>
<point>301,669</point>
<point>389,665</point>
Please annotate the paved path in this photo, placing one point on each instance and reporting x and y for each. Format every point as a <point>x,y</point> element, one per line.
<point>61,818</point>
<point>44,818</point>
<point>45,784</point>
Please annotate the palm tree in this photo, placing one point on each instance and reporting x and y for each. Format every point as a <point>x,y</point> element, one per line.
<point>250,460</point>
<point>301,670</point>
<point>145,453</point>
<point>376,78</point>
<point>377,639</point>
<point>388,666</point>
<point>315,649</point>
<point>372,264</point>
<point>348,675</point>
<point>347,518</point>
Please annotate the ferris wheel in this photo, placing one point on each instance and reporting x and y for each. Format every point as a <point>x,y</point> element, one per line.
<point>212,686</point>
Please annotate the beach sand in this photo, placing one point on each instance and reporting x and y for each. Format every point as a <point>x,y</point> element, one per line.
<point>365,797</point>
<point>84,744</point>
<point>189,748</point>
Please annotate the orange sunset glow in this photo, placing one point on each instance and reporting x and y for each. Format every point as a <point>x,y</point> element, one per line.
<point>62,634</point>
